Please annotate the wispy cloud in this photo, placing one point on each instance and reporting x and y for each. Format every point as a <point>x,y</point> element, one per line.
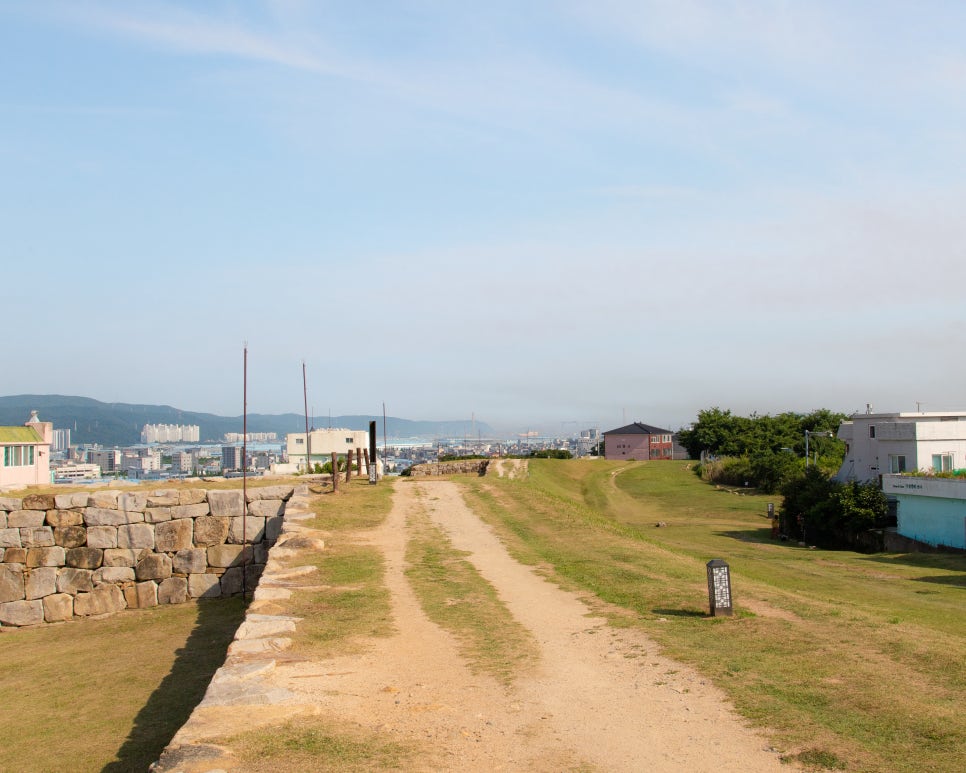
<point>276,39</point>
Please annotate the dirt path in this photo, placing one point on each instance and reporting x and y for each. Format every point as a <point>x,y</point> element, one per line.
<point>600,699</point>
<point>508,468</point>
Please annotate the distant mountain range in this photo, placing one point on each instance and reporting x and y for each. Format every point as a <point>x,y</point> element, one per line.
<point>120,424</point>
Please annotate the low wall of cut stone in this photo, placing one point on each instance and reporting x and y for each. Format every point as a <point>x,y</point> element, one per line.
<point>75,555</point>
<point>429,469</point>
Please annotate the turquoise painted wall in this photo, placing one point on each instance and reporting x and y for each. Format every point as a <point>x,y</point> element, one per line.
<point>934,520</point>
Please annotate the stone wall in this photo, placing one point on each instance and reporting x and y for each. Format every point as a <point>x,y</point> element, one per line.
<point>428,469</point>
<point>90,553</point>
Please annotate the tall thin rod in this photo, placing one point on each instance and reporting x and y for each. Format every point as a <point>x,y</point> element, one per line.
<point>245,474</point>
<point>385,455</point>
<point>308,437</point>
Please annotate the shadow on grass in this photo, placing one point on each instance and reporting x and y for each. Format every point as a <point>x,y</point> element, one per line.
<point>956,581</point>
<point>949,562</point>
<point>182,689</point>
<point>760,536</point>
<point>680,612</point>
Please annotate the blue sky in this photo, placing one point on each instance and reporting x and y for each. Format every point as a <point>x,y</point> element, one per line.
<point>534,212</point>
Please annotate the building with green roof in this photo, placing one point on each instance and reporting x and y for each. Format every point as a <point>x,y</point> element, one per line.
<point>25,453</point>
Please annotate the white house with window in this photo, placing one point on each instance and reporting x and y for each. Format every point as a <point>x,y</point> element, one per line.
<point>883,443</point>
<point>25,453</point>
<point>322,443</point>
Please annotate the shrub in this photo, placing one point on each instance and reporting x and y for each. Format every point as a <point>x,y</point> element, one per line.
<point>767,471</point>
<point>821,511</point>
<point>552,454</point>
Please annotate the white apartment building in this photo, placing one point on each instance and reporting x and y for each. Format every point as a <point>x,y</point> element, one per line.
<point>77,472</point>
<point>882,443</point>
<point>251,437</point>
<point>170,433</point>
<point>61,441</point>
<point>322,443</point>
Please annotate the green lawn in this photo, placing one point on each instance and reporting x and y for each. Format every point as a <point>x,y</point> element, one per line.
<point>107,695</point>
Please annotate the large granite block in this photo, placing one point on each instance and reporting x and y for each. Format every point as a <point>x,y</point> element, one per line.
<point>173,536</point>
<point>40,582</point>
<point>100,601</point>
<point>22,612</point>
<point>135,535</point>
<point>102,516</point>
<point>229,503</point>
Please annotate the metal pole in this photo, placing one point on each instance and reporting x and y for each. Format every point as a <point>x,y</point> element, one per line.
<point>308,437</point>
<point>245,474</point>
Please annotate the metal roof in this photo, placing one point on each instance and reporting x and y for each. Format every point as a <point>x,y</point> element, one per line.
<point>638,429</point>
<point>19,435</point>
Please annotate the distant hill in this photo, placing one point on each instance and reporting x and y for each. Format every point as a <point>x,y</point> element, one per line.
<point>120,424</point>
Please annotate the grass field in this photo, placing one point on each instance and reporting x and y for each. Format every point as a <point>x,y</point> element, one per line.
<point>855,661</point>
<point>107,695</point>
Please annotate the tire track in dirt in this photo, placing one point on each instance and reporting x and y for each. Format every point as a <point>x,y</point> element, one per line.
<point>607,693</point>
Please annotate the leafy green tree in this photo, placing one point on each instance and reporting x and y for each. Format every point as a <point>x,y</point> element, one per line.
<point>717,432</point>
<point>722,434</point>
<point>771,470</point>
<point>821,511</point>
<point>805,500</point>
<point>863,506</point>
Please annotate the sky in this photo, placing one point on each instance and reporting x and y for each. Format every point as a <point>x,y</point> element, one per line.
<point>557,213</point>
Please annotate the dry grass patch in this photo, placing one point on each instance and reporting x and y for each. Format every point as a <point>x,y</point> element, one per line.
<point>346,600</point>
<point>355,506</point>
<point>314,745</point>
<point>455,596</point>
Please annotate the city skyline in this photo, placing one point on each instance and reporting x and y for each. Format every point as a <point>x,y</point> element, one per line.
<point>543,213</point>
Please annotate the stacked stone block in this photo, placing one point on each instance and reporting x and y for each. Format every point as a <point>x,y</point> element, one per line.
<point>77,555</point>
<point>455,467</point>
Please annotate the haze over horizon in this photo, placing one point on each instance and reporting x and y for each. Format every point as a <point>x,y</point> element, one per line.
<point>538,213</point>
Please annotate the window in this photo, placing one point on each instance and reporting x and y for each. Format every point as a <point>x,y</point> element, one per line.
<point>897,463</point>
<point>942,462</point>
<point>348,440</point>
<point>872,430</point>
<point>300,441</point>
<point>18,456</point>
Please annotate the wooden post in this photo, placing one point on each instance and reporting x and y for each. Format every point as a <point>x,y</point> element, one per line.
<point>348,466</point>
<point>365,452</point>
<point>335,471</point>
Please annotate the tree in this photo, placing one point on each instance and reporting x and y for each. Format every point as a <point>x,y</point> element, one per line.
<point>717,432</point>
<point>821,511</point>
<point>722,434</point>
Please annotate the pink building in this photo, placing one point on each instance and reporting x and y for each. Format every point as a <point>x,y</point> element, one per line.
<point>25,453</point>
<point>640,442</point>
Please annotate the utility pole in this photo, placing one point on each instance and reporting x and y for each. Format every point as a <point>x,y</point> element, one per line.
<point>245,473</point>
<point>308,437</point>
